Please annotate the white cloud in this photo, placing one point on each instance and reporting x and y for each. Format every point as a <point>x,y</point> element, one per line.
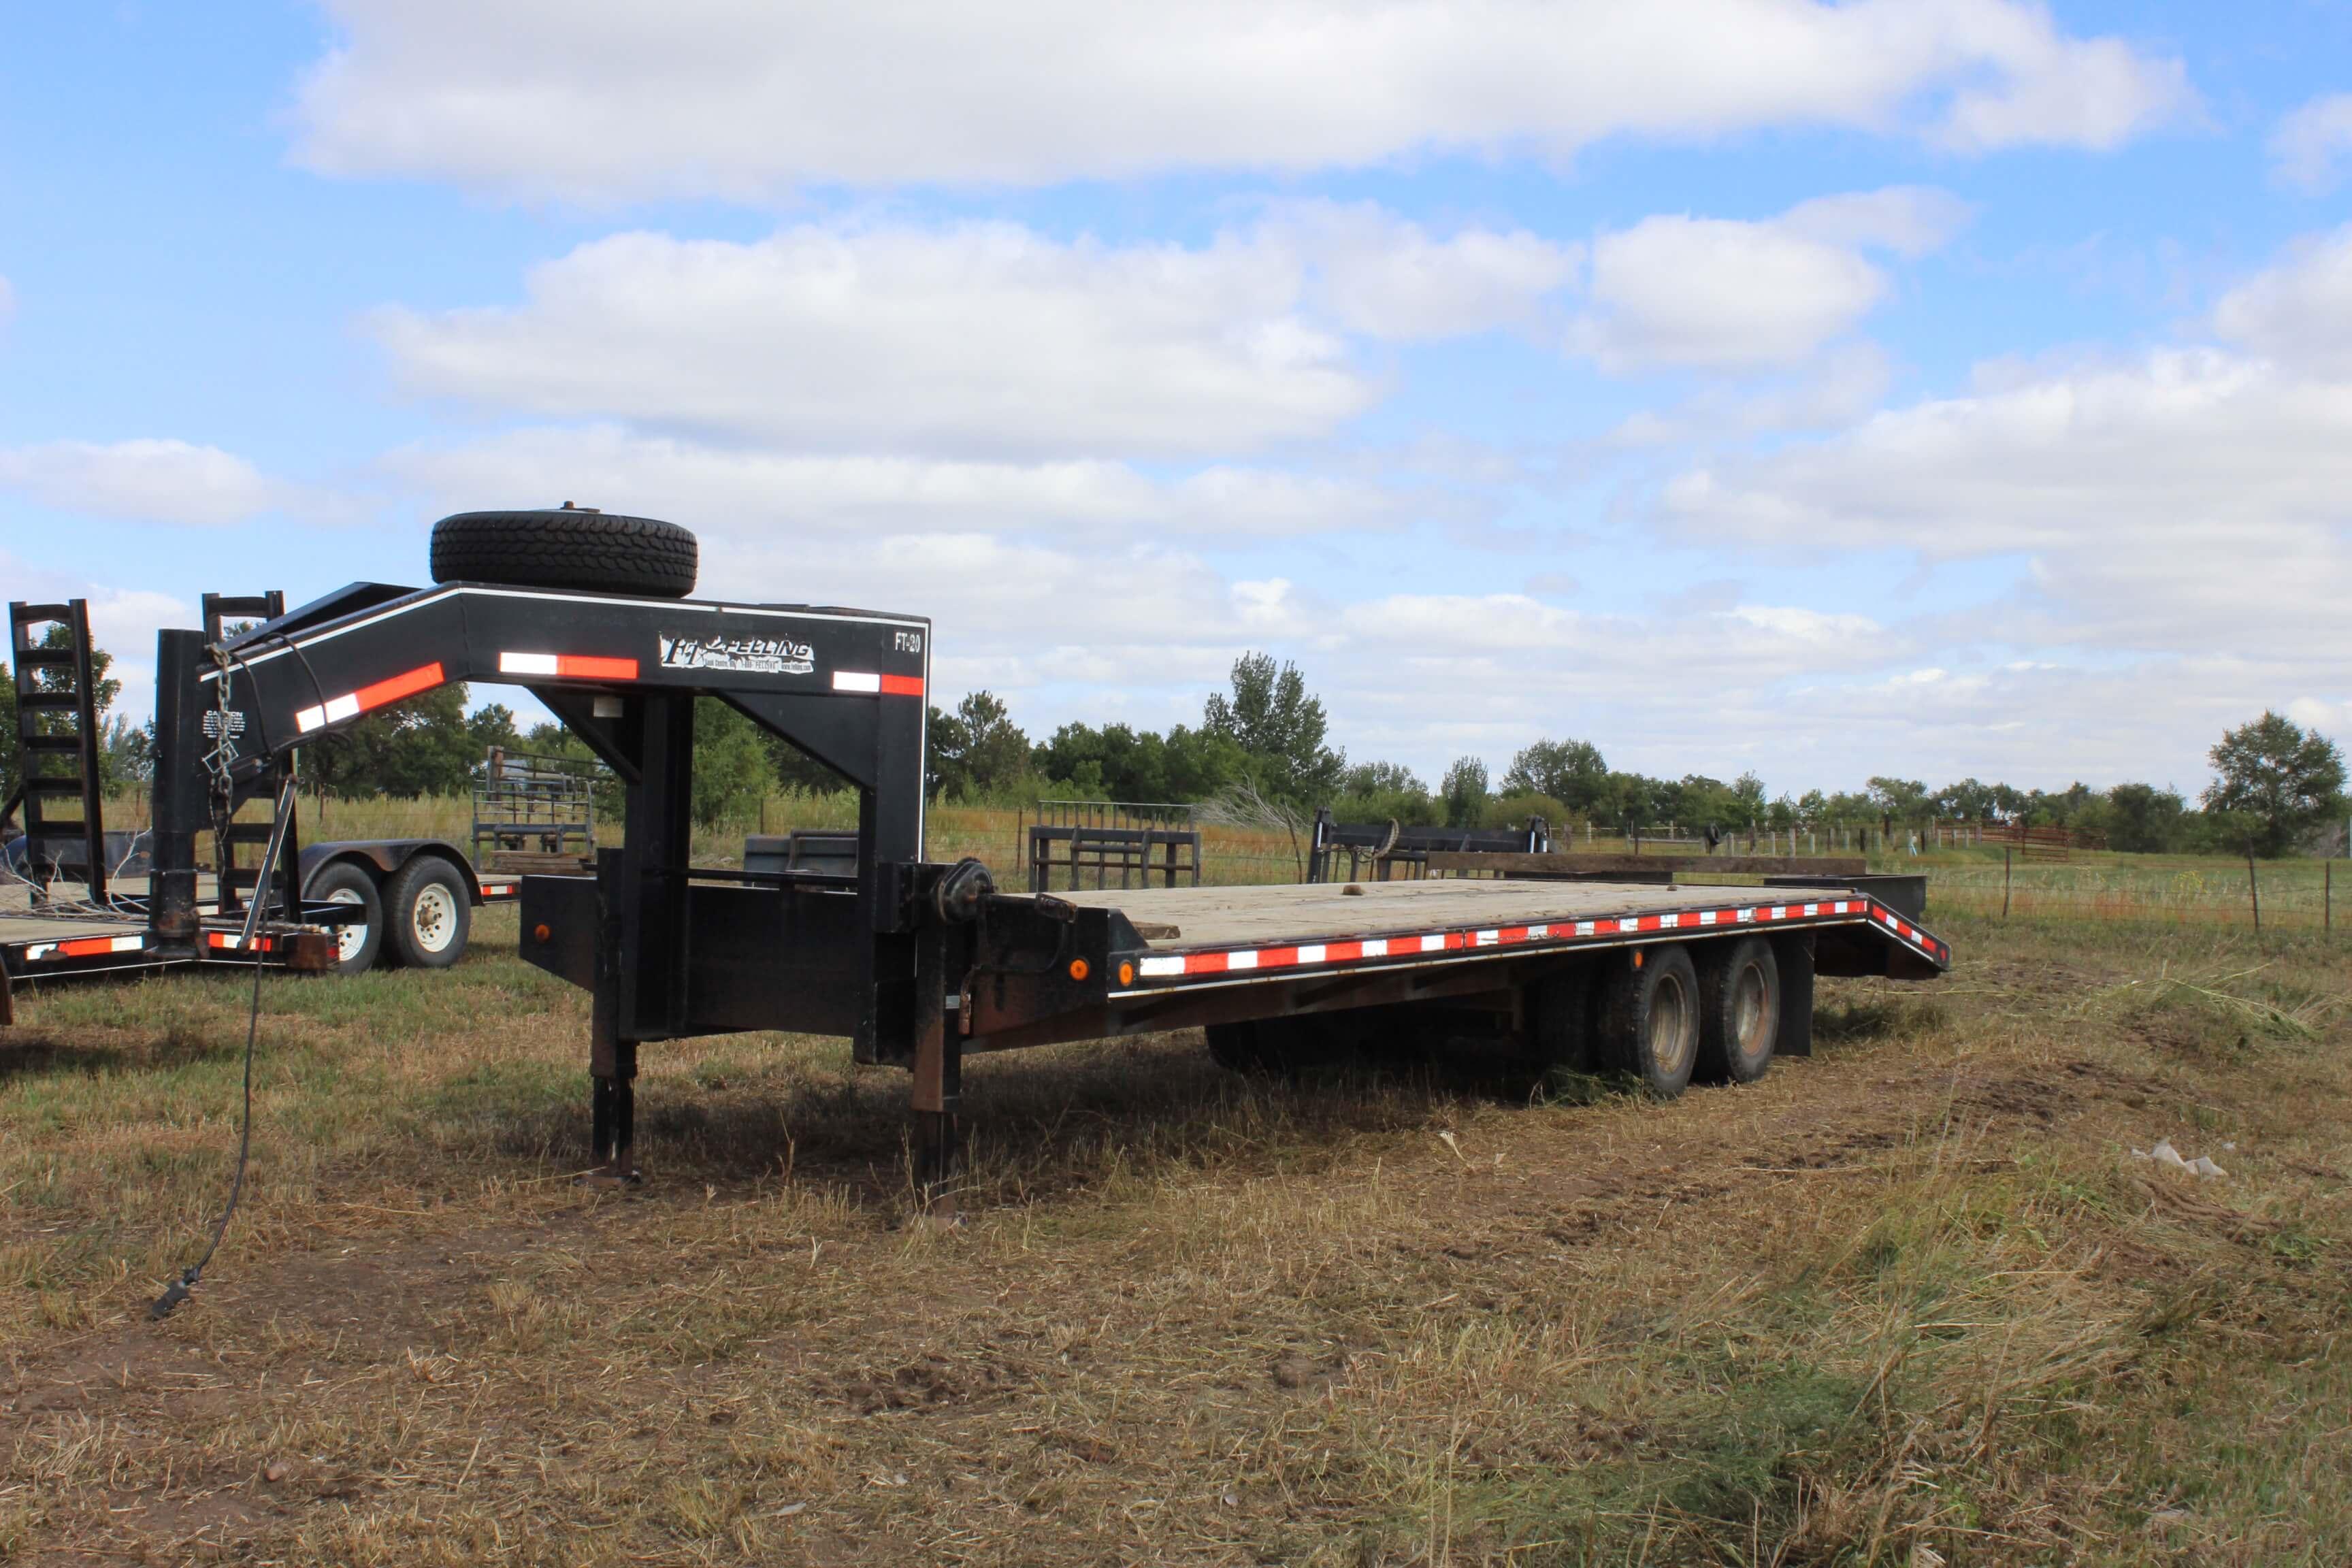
<point>1726,294</point>
<point>762,494</point>
<point>603,100</point>
<point>2299,312</point>
<point>1379,275</point>
<point>1909,220</point>
<point>146,480</point>
<point>978,338</point>
<point>2310,145</point>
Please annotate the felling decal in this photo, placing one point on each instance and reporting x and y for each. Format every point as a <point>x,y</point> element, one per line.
<point>757,655</point>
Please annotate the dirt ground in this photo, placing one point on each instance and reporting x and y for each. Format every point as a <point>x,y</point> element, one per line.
<point>1909,1301</point>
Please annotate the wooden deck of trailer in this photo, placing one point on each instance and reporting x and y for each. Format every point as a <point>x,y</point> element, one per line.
<point>1169,918</point>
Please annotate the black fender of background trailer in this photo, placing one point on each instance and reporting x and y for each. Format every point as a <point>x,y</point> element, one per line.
<point>383,856</point>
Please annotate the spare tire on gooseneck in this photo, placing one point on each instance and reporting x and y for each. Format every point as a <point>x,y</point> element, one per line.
<point>566,547</point>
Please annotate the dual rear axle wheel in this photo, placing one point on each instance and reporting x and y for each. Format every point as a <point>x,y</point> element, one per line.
<point>1666,1015</point>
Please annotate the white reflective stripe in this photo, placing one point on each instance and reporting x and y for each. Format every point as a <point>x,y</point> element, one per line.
<point>344,707</point>
<point>1488,938</point>
<point>1377,948</point>
<point>1246,959</point>
<point>1779,911</point>
<point>527,664</point>
<point>39,951</point>
<point>1537,934</point>
<point>1812,908</point>
<point>309,719</point>
<point>1433,942</point>
<point>1670,922</point>
<point>1746,915</point>
<point>1707,917</point>
<point>1585,927</point>
<point>1159,966</point>
<point>855,681</point>
<point>1312,954</point>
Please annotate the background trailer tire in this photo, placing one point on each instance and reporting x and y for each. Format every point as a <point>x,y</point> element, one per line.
<point>428,913</point>
<point>566,548</point>
<point>1739,1010</point>
<point>1650,1019</point>
<point>357,946</point>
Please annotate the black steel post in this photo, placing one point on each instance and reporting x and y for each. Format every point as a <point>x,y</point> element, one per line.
<point>181,804</point>
<point>938,1082</point>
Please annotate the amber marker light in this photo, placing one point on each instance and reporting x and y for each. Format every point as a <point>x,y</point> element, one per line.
<point>540,932</point>
<point>1078,969</point>
<point>1127,975</point>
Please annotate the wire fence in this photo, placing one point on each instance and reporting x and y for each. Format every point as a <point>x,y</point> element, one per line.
<point>2300,894</point>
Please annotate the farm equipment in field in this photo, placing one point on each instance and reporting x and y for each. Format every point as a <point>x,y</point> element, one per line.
<point>86,902</point>
<point>919,962</point>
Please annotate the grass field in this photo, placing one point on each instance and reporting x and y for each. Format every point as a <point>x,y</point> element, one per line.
<point>1907,1302</point>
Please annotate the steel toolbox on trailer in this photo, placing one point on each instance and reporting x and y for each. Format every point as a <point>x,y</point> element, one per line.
<point>916,962</point>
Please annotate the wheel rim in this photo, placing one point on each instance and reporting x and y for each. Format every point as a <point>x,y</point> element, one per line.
<point>1670,1032</point>
<point>1751,1012</point>
<point>432,919</point>
<point>351,937</point>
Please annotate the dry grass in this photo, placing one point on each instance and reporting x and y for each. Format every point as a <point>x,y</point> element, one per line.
<point>1905,1303</point>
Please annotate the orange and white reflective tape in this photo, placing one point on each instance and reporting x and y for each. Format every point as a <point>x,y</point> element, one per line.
<point>229,942</point>
<point>350,705</point>
<point>872,684</point>
<point>1230,961</point>
<point>567,666</point>
<point>84,947</point>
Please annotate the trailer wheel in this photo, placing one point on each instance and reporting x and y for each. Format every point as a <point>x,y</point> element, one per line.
<point>1650,1019</point>
<point>361,943</point>
<point>602,553</point>
<point>429,913</point>
<point>1739,1010</point>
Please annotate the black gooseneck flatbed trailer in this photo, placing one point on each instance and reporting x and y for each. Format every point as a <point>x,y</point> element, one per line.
<point>918,961</point>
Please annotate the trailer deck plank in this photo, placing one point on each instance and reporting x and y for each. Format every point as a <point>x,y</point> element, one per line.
<point>1241,915</point>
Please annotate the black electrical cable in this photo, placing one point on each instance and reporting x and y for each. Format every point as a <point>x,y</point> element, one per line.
<point>184,1286</point>
<point>179,1289</point>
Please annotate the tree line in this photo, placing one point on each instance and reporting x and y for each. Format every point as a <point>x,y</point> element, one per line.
<point>2278,787</point>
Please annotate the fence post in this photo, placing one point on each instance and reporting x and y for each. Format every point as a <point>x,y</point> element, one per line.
<point>2253,889</point>
<point>2004,881</point>
<point>2328,896</point>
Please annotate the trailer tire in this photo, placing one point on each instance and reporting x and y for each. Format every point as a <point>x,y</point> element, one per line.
<point>357,947</point>
<point>599,551</point>
<point>1739,1010</point>
<point>428,911</point>
<point>1650,1019</point>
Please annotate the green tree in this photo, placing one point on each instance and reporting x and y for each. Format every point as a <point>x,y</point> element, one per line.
<point>1571,772</point>
<point>420,745</point>
<point>1900,800</point>
<point>1464,792</point>
<point>2277,780</point>
<point>121,755</point>
<point>2140,818</point>
<point>976,751</point>
<point>1279,728</point>
<point>732,775</point>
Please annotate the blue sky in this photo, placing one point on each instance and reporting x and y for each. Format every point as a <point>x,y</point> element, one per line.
<point>1942,388</point>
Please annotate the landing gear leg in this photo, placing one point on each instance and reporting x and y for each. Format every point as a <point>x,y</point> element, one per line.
<point>938,1086</point>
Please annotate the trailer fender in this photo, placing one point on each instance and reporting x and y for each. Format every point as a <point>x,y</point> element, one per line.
<point>383,858</point>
